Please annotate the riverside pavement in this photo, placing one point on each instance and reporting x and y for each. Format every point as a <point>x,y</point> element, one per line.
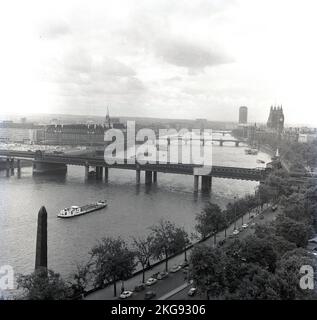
<point>163,288</point>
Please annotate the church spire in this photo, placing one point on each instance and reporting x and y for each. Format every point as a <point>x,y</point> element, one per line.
<point>108,118</point>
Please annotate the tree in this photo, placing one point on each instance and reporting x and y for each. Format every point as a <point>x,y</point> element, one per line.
<point>44,284</point>
<point>280,245</point>
<point>112,261</point>
<point>258,251</point>
<point>278,184</point>
<point>293,231</point>
<point>182,241</point>
<point>164,240</point>
<point>143,251</point>
<point>257,284</point>
<point>265,194</point>
<point>207,270</point>
<point>210,220</point>
<point>81,278</point>
<point>288,271</point>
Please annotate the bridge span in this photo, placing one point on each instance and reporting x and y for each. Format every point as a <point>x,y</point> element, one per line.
<point>45,162</point>
<point>205,139</point>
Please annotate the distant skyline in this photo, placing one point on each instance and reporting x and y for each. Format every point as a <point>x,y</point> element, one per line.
<point>160,58</point>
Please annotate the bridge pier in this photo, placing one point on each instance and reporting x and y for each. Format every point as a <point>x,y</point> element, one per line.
<point>19,167</point>
<point>99,172</point>
<point>106,174</point>
<point>138,176</point>
<point>221,143</point>
<point>148,177</point>
<point>86,171</point>
<point>8,167</point>
<point>196,182</point>
<point>237,143</point>
<point>205,184</point>
<point>12,166</point>
<point>154,176</point>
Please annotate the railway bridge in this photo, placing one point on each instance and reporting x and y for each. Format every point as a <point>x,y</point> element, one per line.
<point>50,162</point>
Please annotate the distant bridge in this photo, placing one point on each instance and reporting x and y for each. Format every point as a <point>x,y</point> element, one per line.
<point>45,162</point>
<point>205,139</point>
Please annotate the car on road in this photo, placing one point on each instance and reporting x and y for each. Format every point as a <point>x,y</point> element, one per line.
<point>125,294</point>
<point>244,226</point>
<point>185,269</point>
<point>149,295</point>
<point>192,292</point>
<point>139,287</point>
<point>150,281</point>
<point>162,275</point>
<point>175,268</point>
<point>235,232</point>
<point>184,264</point>
<point>155,275</point>
<point>252,216</point>
<point>274,207</point>
<point>314,251</point>
<point>222,242</point>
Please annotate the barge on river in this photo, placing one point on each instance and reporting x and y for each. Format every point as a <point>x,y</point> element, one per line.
<point>75,211</point>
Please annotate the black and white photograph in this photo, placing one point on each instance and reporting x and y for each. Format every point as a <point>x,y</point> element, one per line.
<point>160,150</point>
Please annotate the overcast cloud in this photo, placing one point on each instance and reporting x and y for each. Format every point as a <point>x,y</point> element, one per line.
<point>163,58</point>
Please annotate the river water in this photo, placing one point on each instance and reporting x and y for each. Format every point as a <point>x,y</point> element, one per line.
<point>131,209</point>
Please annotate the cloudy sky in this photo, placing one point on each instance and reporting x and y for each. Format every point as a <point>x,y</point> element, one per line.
<point>160,58</point>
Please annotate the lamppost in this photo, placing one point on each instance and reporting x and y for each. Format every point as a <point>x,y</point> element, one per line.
<point>226,224</point>
<point>235,213</point>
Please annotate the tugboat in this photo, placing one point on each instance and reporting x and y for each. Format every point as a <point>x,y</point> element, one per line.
<point>75,211</point>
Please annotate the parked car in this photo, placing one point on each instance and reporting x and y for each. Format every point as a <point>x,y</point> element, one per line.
<point>192,292</point>
<point>155,275</point>
<point>222,242</point>
<point>184,264</point>
<point>185,270</point>
<point>274,207</point>
<point>245,225</point>
<point>235,232</point>
<point>149,295</point>
<point>150,281</point>
<point>252,216</point>
<point>139,287</point>
<point>162,275</point>
<point>175,268</point>
<point>125,294</point>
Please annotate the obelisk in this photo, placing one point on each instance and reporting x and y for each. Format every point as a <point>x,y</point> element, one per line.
<point>41,240</point>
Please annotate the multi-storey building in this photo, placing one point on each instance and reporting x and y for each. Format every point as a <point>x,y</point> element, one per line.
<point>243,115</point>
<point>20,132</point>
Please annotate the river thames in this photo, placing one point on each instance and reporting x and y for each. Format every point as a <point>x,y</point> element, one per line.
<point>131,209</point>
